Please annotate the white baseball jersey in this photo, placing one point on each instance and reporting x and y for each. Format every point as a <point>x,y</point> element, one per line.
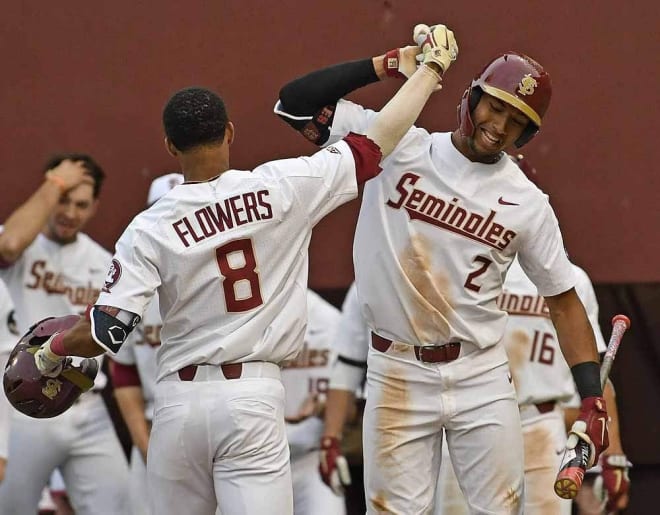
<point>9,334</point>
<point>309,372</point>
<point>228,258</point>
<point>50,279</point>
<point>140,350</point>
<point>539,370</point>
<point>441,231</point>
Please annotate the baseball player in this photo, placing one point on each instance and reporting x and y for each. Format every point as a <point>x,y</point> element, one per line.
<point>133,373</point>
<point>52,268</point>
<point>436,233</point>
<point>305,381</point>
<point>8,338</point>
<point>227,254</point>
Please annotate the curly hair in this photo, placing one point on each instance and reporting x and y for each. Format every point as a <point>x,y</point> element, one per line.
<point>194,116</point>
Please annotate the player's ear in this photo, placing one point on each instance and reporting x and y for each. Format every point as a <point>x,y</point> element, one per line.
<point>173,151</point>
<point>230,132</point>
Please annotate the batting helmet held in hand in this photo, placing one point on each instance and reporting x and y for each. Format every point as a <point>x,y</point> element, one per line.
<point>515,79</point>
<point>44,397</point>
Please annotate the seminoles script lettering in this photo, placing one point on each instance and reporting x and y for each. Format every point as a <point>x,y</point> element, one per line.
<point>449,215</point>
<point>53,284</point>
<point>214,218</point>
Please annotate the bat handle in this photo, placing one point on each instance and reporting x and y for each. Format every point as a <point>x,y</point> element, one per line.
<point>573,466</point>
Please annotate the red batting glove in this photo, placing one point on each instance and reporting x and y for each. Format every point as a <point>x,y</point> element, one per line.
<point>333,466</point>
<point>616,481</point>
<point>591,426</point>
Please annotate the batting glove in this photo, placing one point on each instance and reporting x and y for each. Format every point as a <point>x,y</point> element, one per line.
<point>401,63</point>
<point>616,480</point>
<point>438,45</point>
<point>591,427</point>
<point>47,362</point>
<point>333,466</point>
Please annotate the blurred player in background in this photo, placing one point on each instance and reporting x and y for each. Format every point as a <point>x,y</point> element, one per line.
<point>227,254</point>
<point>52,268</point>
<point>305,381</point>
<point>133,373</point>
<point>436,232</point>
<point>8,338</point>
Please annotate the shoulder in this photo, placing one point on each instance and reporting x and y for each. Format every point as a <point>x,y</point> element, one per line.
<point>93,247</point>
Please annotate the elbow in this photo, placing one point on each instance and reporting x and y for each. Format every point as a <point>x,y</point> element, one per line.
<point>10,249</point>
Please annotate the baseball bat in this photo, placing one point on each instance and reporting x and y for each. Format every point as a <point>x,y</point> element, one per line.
<point>575,460</point>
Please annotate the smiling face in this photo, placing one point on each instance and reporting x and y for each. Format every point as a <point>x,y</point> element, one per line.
<point>497,125</point>
<point>73,211</point>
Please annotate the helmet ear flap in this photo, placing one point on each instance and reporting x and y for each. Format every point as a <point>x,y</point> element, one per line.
<point>527,134</point>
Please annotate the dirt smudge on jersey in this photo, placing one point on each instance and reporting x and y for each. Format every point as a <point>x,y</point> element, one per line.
<point>512,499</point>
<point>540,444</point>
<point>517,349</point>
<point>430,319</point>
<point>378,503</point>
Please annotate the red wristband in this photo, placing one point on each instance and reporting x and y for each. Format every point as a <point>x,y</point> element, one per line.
<point>391,64</point>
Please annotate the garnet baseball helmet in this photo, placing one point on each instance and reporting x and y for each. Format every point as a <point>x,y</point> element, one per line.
<point>515,79</point>
<point>44,397</point>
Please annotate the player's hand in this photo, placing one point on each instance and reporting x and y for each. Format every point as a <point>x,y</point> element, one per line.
<point>70,174</point>
<point>47,362</point>
<point>333,466</point>
<point>401,63</point>
<point>616,481</point>
<point>438,45</point>
<point>591,427</point>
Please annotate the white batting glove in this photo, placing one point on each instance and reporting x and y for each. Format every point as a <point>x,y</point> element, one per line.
<point>47,362</point>
<point>333,466</point>
<point>438,45</point>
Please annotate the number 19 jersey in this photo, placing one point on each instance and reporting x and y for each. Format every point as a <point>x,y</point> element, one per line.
<point>229,258</point>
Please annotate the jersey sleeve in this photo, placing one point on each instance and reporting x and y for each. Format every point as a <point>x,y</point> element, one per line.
<point>8,333</point>
<point>542,255</point>
<point>350,117</point>
<point>351,338</point>
<point>585,291</point>
<point>320,183</point>
<point>133,276</point>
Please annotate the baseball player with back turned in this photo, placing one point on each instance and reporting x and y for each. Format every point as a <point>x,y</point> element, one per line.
<point>133,374</point>
<point>437,230</point>
<point>51,268</point>
<point>227,254</point>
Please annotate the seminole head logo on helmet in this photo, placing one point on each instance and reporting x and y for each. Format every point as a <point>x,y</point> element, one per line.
<point>515,79</point>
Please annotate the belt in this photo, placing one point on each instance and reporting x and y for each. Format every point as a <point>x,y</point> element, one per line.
<point>528,411</point>
<point>545,407</point>
<point>423,353</point>
<point>225,371</point>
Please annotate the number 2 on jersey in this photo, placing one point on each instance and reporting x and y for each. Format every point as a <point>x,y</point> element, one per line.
<point>238,275</point>
<point>469,282</point>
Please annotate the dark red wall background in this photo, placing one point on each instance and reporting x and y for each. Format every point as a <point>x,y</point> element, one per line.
<point>93,76</point>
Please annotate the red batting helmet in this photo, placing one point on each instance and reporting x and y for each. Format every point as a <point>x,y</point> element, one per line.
<point>515,79</point>
<point>38,396</point>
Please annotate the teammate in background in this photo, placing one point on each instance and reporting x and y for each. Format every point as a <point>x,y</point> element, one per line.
<point>227,254</point>
<point>133,374</point>
<point>436,233</point>
<point>8,338</point>
<point>52,268</point>
<point>305,381</point>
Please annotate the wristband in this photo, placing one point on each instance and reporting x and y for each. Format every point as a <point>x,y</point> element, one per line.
<point>57,180</point>
<point>587,379</point>
<point>391,64</point>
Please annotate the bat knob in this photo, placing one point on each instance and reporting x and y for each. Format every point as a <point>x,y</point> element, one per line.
<point>621,318</point>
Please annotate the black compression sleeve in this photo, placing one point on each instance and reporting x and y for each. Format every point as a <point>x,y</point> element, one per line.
<point>587,379</point>
<point>305,95</point>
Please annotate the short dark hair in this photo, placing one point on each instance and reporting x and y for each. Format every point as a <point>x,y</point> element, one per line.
<point>193,117</point>
<point>94,170</point>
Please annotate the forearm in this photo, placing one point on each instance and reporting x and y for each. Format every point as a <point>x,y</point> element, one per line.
<point>130,400</point>
<point>338,407</point>
<point>309,93</point>
<point>613,428</point>
<point>574,332</point>
<point>400,113</point>
<point>78,341</point>
<point>27,221</point>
